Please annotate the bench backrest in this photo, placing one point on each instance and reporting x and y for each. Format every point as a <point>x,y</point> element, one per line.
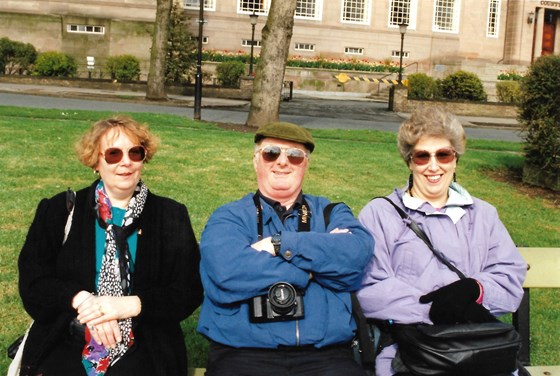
<point>543,271</point>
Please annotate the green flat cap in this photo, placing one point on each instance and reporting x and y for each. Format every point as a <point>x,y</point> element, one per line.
<point>286,131</point>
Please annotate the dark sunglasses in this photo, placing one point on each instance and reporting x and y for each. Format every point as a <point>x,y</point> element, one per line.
<point>115,155</point>
<point>270,153</point>
<point>422,157</point>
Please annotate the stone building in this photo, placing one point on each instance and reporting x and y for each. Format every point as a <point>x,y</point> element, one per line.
<point>482,36</point>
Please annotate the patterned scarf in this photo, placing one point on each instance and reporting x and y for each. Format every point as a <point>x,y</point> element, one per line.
<point>114,276</point>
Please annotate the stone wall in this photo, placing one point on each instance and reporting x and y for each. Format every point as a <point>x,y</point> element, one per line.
<point>399,102</point>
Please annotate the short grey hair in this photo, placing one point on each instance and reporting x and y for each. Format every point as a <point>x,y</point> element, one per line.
<point>432,121</point>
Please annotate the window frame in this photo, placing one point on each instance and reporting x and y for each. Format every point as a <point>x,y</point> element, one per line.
<point>211,7</point>
<point>318,13</point>
<point>455,19</point>
<point>497,15</point>
<point>79,26</point>
<point>263,11</point>
<point>367,13</point>
<point>413,13</point>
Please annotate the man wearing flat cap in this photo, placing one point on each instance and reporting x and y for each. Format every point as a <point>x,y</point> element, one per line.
<point>278,268</point>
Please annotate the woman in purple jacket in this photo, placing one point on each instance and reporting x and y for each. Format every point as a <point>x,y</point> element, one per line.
<point>405,282</point>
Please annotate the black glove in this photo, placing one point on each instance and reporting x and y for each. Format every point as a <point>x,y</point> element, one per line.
<point>477,313</point>
<point>450,302</point>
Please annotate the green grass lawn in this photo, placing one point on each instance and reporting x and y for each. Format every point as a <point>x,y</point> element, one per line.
<point>204,166</point>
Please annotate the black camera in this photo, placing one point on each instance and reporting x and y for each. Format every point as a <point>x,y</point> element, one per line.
<point>283,302</point>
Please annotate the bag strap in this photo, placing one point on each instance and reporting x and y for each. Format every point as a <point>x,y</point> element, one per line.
<point>422,235</point>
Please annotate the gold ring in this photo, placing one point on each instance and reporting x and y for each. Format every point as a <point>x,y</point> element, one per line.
<point>100,308</point>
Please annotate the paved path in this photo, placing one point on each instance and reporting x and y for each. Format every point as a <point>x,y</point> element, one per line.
<point>312,110</point>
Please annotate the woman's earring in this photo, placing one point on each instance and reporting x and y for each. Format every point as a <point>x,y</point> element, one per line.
<point>454,178</point>
<point>410,181</point>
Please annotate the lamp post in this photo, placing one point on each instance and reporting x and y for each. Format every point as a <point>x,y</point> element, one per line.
<point>253,19</point>
<point>402,29</point>
<point>198,80</point>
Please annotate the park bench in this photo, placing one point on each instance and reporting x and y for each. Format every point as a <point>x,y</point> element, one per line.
<point>543,272</point>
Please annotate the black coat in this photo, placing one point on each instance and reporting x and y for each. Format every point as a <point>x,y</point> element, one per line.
<point>166,276</point>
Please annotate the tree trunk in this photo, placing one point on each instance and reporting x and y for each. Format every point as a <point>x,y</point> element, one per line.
<point>267,86</point>
<point>156,77</point>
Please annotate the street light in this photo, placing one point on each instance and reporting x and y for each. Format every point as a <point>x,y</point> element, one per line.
<point>402,29</point>
<point>198,78</point>
<point>253,19</point>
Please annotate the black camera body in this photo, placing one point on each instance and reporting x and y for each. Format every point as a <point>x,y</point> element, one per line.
<point>282,303</point>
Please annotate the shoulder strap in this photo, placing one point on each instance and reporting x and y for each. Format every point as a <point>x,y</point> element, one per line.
<point>70,202</point>
<point>367,351</point>
<point>422,235</point>
<point>327,212</point>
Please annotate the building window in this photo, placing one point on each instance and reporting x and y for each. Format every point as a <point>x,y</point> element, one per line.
<point>446,15</point>
<point>356,11</point>
<point>195,4</point>
<point>309,9</point>
<point>304,47</point>
<point>250,6</point>
<point>397,53</point>
<point>195,38</point>
<point>493,18</point>
<point>85,29</point>
<point>353,50</point>
<point>403,12</point>
<point>247,43</point>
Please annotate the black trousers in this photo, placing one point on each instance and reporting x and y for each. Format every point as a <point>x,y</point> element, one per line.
<point>284,361</point>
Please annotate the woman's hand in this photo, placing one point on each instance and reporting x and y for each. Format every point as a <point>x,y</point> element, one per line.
<point>100,309</point>
<point>101,315</point>
<point>107,334</point>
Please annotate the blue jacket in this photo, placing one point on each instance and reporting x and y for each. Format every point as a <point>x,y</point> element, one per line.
<point>233,273</point>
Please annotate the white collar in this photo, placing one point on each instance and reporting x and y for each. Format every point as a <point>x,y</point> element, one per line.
<point>453,208</point>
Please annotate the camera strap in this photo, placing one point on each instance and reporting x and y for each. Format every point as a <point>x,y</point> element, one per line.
<point>304,214</point>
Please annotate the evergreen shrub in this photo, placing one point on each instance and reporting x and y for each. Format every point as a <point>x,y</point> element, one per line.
<point>123,67</point>
<point>16,57</point>
<point>229,72</point>
<point>508,91</point>
<point>539,115</point>
<point>463,85</point>
<point>55,64</point>
<point>421,86</point>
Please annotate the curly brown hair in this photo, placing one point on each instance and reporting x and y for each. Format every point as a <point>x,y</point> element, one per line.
<point>88,147</point>
<point>430,121</point>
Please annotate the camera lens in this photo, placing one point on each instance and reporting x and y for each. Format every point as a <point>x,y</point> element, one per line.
<point>282,297</point>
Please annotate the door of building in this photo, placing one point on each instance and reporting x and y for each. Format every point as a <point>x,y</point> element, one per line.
<point>549,32</point>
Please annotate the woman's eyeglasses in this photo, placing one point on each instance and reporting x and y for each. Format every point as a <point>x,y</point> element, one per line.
<point>270,153</point>
<point>115,155</point>
<point>422,157</point>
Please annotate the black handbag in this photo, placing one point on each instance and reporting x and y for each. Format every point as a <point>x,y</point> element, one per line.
<point>481,349</point>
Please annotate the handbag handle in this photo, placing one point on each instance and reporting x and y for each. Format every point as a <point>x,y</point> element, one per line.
<point>422,235</point>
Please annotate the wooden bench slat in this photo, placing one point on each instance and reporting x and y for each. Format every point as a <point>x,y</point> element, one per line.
<point>544,370</point>
<point>197,371</point>
<point>544,267</point>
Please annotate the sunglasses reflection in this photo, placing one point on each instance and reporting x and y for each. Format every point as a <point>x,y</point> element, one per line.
<point>115,155</point>
<point>271,153</point>
<point>422,157</point>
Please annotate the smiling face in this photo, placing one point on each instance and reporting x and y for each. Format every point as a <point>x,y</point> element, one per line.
<point>431,181</point>
<point>120,179</point>
<point>280,180</point>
